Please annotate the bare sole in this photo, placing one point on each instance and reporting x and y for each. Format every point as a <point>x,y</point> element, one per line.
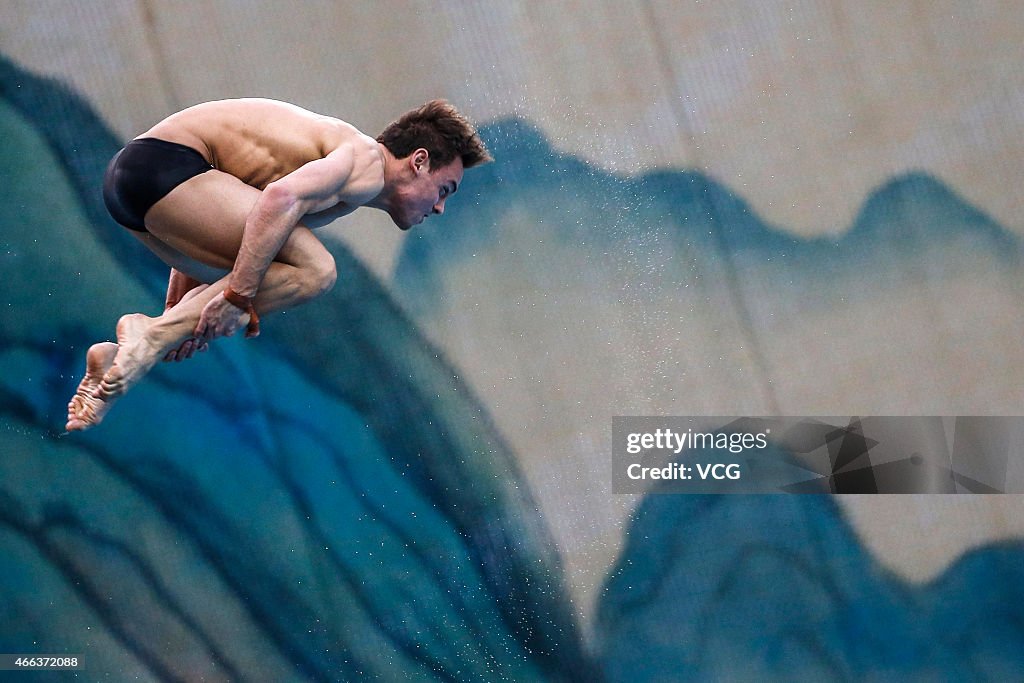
<point>132,360</point>
<point>98,360</point>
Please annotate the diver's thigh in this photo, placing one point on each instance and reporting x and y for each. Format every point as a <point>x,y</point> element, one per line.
<point>203,218</point>
<point>175,259</point>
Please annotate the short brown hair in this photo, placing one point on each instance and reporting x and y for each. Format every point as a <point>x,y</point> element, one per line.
<point>439,128</point>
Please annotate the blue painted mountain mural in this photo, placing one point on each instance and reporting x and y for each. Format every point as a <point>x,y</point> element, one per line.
<point>579,203</point>
<point>334,502</point>
<point>665,293</point>
<point>328,504</point>
<point>778,588</point>
<point>679,293</point>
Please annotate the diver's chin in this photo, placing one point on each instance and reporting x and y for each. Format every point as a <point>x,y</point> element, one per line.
<point>409,226</point>
<point>401,224</point>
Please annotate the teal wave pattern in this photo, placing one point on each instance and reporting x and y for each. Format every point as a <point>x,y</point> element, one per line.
<point>734,587</point>
<point>326,503</point>
<point>331,502</point>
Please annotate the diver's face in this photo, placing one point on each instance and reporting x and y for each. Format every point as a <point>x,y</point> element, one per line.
<point>428,189</point>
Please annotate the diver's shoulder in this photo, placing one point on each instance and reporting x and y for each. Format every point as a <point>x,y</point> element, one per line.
<point>343,133</point>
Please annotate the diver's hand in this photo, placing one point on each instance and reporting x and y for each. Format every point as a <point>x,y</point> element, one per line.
<point>220,318</point>
<point>188,348</point>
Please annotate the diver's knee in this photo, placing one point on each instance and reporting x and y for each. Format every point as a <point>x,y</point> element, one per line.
<point>319,277</point>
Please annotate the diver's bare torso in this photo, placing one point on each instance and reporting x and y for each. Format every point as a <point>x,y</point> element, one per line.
<point>236,232</point>
<point>259,141</point>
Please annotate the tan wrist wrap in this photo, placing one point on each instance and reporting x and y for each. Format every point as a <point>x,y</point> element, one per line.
<point>244,303</point>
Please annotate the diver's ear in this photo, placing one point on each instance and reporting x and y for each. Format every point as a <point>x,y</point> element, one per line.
<point>420,159</point>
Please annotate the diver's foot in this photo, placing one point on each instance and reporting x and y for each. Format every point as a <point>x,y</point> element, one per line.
<point>98,360</point>
<point>135,356</point>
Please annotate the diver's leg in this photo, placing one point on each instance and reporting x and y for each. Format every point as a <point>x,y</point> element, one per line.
<point>203,219</point>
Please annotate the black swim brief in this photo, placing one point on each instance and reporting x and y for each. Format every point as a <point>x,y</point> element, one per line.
<point>143,173</point>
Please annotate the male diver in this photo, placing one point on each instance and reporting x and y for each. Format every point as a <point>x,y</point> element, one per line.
<point>226,194</point>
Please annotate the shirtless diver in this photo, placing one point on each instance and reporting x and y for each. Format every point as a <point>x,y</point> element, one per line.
<point>226,194</point>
